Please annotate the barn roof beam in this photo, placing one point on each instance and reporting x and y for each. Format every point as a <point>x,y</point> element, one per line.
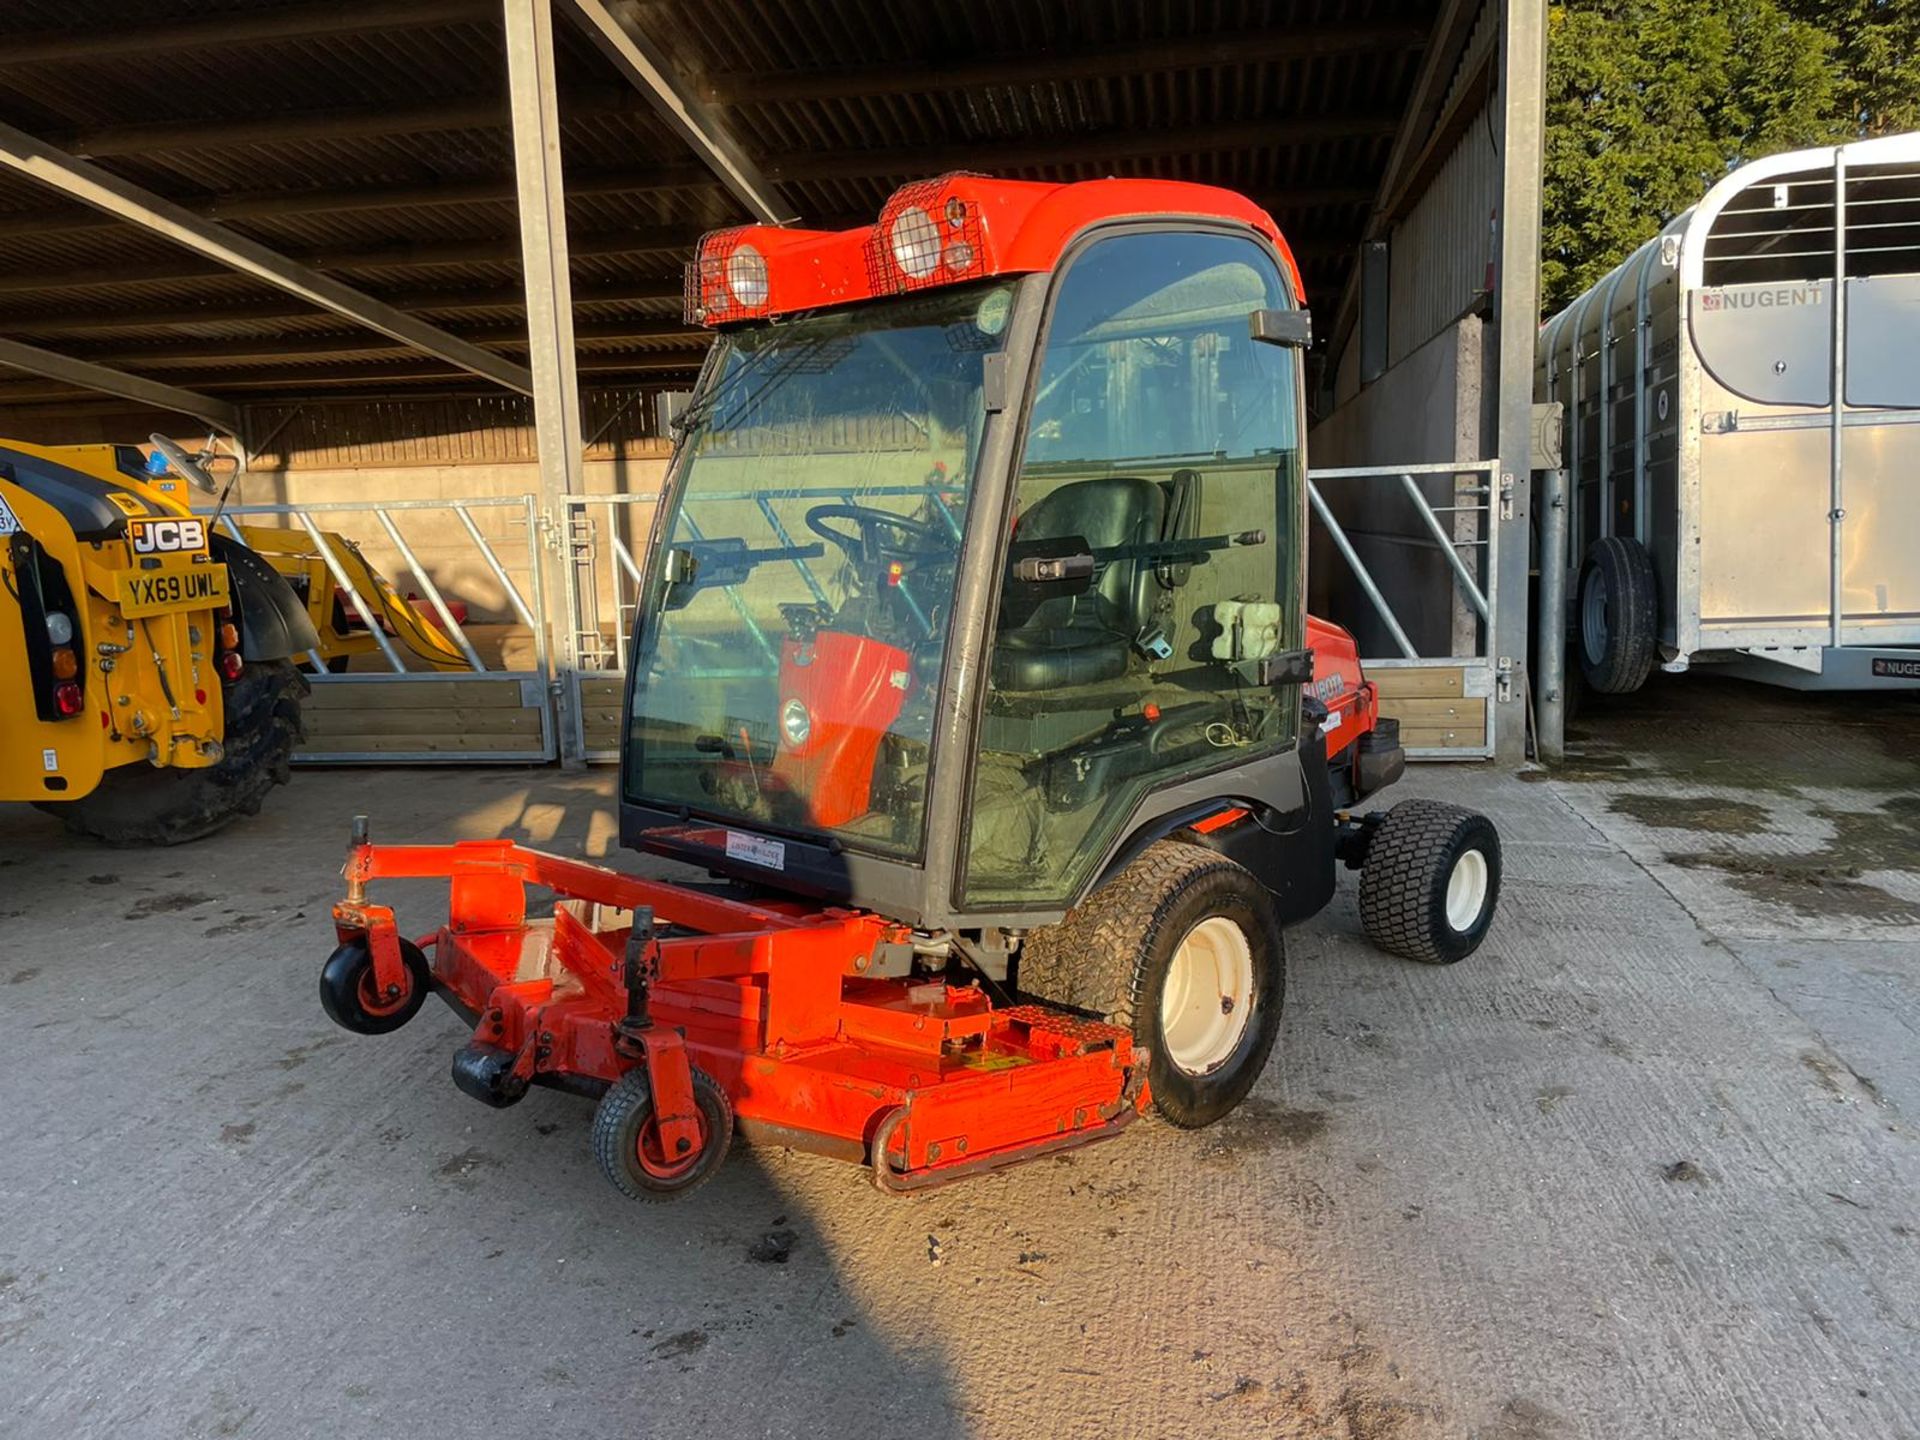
<point>87,375</point>
<point>294,22</point>
<point>487,297</point>
<point>1043,67</point>
<point>636,55</point>
<point>77,180</point>
<point>279,349</point>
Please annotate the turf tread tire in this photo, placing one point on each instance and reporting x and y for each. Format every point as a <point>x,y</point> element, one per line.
<point>1100,960</point>
<point>143,805</point>
<point>615,1131</point>
<point>1633,616</point>
<point>1403,882</point>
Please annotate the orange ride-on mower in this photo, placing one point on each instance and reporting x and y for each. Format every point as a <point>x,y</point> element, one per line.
<point>972,670</point>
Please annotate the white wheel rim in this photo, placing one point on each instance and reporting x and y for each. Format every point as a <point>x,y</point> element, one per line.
<point>1466,890</point>
<point>1208,998</point>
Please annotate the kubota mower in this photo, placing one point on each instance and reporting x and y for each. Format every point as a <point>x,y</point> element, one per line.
<point>972,669</point>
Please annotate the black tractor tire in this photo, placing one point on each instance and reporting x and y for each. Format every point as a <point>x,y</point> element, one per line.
<point>347,990</point>
<point>1616,616</point>
<point>144,805</point>
<point>1430,882</point>
<point>1113,954</point>
<point>623,1122</point>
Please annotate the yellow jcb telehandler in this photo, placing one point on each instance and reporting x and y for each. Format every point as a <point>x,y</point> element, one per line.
<point>149,692</point>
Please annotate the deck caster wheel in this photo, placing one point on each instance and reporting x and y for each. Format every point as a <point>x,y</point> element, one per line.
<point>626,1142</point>
<point>1431,881</point>
<point>352,1000</point>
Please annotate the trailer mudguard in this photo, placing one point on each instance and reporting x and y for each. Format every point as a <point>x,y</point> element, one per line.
<point>273,622</point>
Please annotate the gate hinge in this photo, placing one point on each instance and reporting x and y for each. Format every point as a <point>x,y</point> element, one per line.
<point>1506,495</point>
<point>1503,684</point>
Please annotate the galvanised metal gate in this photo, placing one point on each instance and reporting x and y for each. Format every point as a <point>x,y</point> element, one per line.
<point>1413,544</point>
<point>487,699</point>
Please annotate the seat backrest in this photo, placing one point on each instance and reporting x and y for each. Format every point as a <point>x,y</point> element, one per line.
<point>1113,510</point>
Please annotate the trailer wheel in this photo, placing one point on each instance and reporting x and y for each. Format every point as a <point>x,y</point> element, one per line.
<point>1184,949</point>
<point>144,805</point>
<point>1430,882</point>
<point>626,1141</point>
<point>352,1000</point>
<point>1618,616</point>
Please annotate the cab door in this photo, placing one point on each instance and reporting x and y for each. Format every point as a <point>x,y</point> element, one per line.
<point>1152,588</point>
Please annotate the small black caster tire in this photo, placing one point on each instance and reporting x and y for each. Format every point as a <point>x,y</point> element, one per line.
<point>627,1145</point>
<point>1430,882</point>
<point>348,995</point>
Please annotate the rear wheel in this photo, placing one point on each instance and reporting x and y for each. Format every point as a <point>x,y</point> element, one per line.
<point>626,1140</point>
<point>1618,616</point>
<point>1430,882</point>
<point>147,805</point>
<point>1182,948</point>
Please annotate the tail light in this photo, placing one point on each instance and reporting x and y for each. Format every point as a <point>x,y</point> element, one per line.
<point>228,660</point>
<point>68,698</point>
<point>66,664</point>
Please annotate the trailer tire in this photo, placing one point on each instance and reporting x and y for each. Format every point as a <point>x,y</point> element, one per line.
<point>1179,925</point>
<point>620,1128</point>
<point>1616,621</point>
<point>1430,882</point>
<point>148,805</point>
<point>348,996</point>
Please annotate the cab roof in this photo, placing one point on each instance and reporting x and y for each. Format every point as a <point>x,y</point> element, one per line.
<point>947,231</point>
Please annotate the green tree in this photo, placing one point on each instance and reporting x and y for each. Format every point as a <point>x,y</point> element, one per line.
<point>1877,56</point>
<point>1651,101</point>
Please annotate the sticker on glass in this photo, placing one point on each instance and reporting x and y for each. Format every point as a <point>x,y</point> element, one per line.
<point>756,851</point>
<point>991,317</point>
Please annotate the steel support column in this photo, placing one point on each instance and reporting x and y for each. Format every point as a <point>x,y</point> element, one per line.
<point>89,376</point>
<point>1522,105</point>
<point>559,439</point>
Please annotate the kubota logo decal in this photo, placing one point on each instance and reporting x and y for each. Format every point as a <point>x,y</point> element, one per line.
<point>154,537</point>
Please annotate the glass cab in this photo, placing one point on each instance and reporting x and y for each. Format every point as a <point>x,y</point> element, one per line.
<point>1126,493</point>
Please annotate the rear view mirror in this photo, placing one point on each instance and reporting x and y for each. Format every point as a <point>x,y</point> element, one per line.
<point>1291,328</point>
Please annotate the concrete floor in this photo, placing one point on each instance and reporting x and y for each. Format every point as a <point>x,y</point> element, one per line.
<point>1643,1167</point>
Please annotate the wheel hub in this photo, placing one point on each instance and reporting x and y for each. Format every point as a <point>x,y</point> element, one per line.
<point>1466,890</point>
<point>1206,1002</point>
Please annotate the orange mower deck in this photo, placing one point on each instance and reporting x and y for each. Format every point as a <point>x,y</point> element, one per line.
<point>769,1002</point>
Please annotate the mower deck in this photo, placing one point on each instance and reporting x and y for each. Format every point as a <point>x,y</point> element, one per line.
<point>776,1002</point>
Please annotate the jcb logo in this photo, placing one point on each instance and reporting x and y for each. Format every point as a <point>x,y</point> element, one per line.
<point>152,537</point>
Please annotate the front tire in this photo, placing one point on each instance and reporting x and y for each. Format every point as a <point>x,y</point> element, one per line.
<point>147,805</point>
<point>1183,948</point>
<point>1430,882</point>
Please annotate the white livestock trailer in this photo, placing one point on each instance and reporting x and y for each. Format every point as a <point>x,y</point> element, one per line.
<point>1742,431</point>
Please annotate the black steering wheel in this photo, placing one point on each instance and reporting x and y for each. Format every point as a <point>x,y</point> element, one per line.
<point>869,546</point>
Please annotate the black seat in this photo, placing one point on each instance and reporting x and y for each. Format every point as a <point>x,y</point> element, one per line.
<point>1073,640</point>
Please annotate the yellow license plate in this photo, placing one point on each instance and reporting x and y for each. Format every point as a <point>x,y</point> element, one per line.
<point>151,592</point>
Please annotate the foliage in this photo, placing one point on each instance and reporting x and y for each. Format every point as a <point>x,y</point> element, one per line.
<point>1651,101</point>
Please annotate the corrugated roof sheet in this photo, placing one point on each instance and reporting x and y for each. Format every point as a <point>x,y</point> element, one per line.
<point>338,147</point>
